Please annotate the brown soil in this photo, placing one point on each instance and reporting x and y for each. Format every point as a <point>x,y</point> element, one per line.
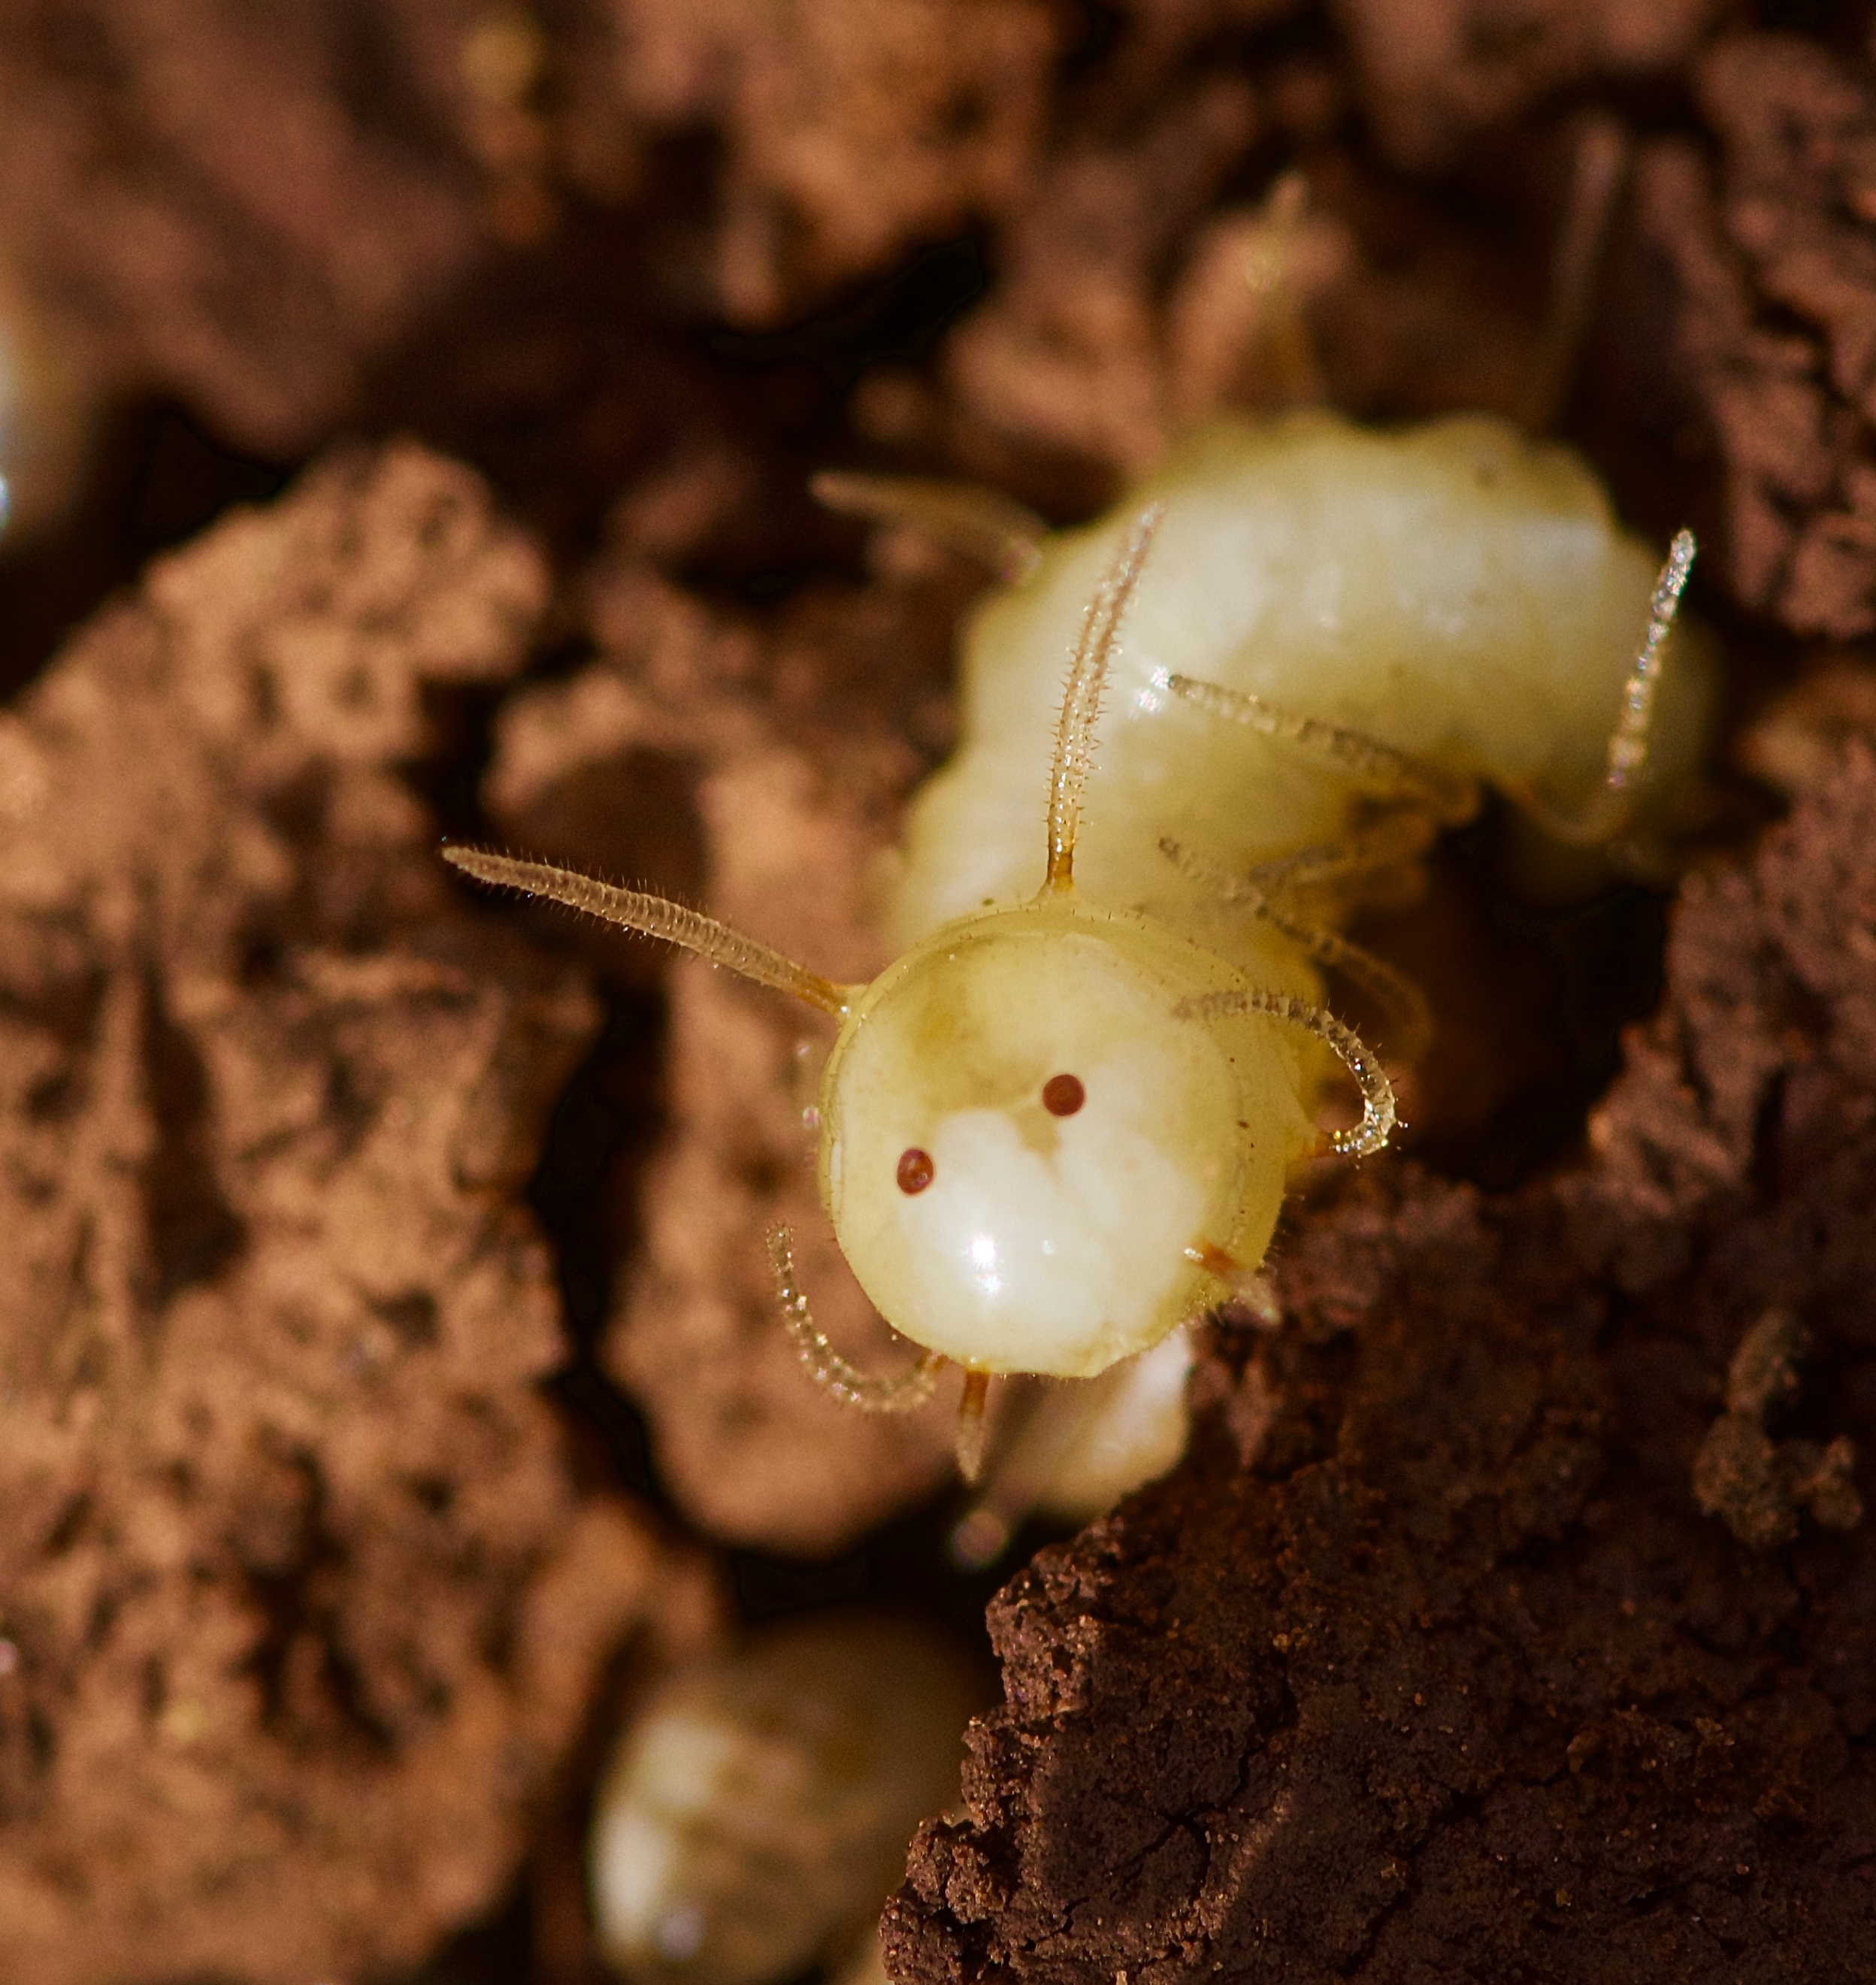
<point>1427,1662</point>
<point>390,1377</point>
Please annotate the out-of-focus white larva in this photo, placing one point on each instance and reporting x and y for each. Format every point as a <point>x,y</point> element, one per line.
<point>755,1815</point>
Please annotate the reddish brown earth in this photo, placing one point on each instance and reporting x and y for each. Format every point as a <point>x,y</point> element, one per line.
<point>295,1579</point>
<point>1426,1663</point>
<point>351,1221</point>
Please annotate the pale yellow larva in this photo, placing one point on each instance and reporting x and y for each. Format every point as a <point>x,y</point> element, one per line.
<point>1061,1122</point>
<point>755,1814</point>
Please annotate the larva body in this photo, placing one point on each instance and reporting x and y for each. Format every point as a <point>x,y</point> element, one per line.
<point>1040,1243</point>
<point>1061,1119</point>
<point>1456,593</point>
<point>1456,590</point>
<point>755,1814</point>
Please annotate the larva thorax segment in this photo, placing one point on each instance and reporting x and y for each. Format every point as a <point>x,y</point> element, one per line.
<point>1030,1125</point>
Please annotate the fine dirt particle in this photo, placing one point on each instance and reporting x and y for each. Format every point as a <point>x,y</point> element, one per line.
<point>1756,1486</point>
<point>1444,1667</point>
<point>847,132</point>
<point>220,205</point>
<point>292,1558</point>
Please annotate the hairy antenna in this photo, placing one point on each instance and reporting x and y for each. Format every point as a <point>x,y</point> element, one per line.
<point>1611,804</point>
<point>654,916</point>
<point>1628,745</point>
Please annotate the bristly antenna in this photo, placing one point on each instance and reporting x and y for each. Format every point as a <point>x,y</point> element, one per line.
<point>654,916</point>
<point>1080,702</point>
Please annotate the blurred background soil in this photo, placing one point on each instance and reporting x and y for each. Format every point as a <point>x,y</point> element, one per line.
<point>390,1382</point>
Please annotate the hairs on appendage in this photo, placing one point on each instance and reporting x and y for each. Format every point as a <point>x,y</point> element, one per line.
<point>1374,975</point>
<point>1364,761</point>
<point>654,916</point>
<point>1396,837</point>
<point>1080,702</point>
<point>826,1366</point>
<point>1378,1109</point>
<point>1612,804</point>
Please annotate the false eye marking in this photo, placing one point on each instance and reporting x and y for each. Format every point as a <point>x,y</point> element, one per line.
<point>1062,1095</point>
<point>916,1171</point>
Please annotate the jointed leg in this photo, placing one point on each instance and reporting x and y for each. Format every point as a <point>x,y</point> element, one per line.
<point>1389,842</point>
<point>1599,171</point>
<point>1269,270</point>
<point>995,530</point>
<point>1365,762</point>
<point>1374,975</point>
<point>1377,1111</point>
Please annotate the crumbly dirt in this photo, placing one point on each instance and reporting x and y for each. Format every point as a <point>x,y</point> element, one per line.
<point>300,1608</point>
<point>1757,356</point>
<point>770,761</point>
<point>1427,1662</point>
<point>323,1555</point>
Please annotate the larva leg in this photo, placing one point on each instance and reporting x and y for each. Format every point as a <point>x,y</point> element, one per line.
<point>971,1405</point>
<point>826,1366</point>
<point>1353,869</point>
<point>1269,271</point>
<point>1597,174</point>
<point>1374,975</point>
<point>996,531</point>
<point>1251,1286</point>
<point>1377,1111</point>
<point>1365,761</point>
<point>1611,806</point>
<point>1387,843</point>
<point>1081,701</point>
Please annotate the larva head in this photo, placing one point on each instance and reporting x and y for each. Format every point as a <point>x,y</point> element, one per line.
<point>1022,1148</point>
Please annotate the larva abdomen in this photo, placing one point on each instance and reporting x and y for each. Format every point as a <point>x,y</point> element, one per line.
<point>1456,590</point>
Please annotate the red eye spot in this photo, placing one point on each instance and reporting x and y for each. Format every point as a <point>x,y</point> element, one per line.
<point>1062,1095</point>
<point>916,1170</point>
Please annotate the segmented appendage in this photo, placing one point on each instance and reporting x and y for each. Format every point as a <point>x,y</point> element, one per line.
<point>1377,1111</point>
<point>1374,975</point>
<point>656,916</point>
<point>1628,747</point>
<point>1363,761</point>
<point>1003,536</point>
<point>825,1365</point>
<point>1081,703</point>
